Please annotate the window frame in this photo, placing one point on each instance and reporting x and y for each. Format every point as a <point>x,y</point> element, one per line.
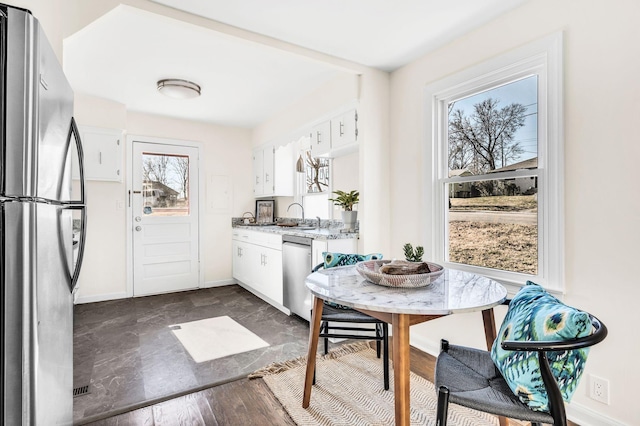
<point>544,59</point>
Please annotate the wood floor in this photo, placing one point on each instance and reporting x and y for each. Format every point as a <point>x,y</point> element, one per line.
<point>242,402</point>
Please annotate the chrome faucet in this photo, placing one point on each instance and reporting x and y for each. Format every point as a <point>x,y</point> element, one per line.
<point>318,217</point>
<point>294,204</point>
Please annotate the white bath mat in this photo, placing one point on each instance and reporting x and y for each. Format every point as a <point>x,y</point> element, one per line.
<point>214,338</point>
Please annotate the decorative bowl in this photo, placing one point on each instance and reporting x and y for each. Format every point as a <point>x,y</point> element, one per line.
<point>369,269</point>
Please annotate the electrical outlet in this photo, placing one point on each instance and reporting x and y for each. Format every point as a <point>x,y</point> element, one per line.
<point>599,389</point>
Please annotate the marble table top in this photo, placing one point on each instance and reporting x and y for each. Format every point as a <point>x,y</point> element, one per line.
<point>453,292</point>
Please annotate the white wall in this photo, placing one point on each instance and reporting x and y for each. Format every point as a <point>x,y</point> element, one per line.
<point>288,124</point>
<point>602,222</point>
<point>226,153</point>
<point>103,270</point>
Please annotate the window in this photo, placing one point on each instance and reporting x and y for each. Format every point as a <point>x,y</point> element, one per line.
<point>496,186</point>
<point>165,184</point>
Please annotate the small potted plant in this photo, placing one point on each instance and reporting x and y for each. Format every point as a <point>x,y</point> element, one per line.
<point>347,200</point>
<point>411,254</point>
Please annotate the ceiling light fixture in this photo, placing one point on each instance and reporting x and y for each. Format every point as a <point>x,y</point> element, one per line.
<point>178,89</point>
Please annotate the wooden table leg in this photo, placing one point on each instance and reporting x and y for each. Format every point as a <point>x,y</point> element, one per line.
<point>400,326</point>
<point>490,334</point>
<point>489,327</point>
<point>314,331</point>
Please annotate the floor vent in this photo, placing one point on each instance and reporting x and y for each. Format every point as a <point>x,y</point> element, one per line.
<point>82,390</point>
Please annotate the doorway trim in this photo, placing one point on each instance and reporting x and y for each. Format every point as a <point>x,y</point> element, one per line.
<point>129,182</point>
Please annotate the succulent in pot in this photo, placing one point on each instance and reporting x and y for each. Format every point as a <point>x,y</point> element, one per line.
<point>411,254</point>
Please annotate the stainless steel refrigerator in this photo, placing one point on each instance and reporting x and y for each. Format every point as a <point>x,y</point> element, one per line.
<point>39,259</point>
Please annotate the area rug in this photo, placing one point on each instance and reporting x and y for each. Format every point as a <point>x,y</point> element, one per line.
<point>214,338</point>
<point>349,391</point>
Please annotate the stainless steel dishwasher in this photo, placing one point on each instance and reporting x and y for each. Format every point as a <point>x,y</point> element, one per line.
<point>296,265</point>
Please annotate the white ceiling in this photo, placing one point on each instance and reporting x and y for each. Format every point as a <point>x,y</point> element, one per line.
<point>124,53</point>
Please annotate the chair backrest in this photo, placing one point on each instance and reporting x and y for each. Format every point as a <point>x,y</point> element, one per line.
<point>556,402</point>
<point>332,259</point>
<point>545,328</point>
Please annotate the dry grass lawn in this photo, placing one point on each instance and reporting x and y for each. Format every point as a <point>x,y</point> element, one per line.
<point>496,203</point>
<point>510,247</point>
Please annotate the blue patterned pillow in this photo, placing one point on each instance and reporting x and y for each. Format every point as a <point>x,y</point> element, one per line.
<point>340,259</point>
<point>534,315</point>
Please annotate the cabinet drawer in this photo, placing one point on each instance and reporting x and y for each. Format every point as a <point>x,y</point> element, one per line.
<point>264,239</point>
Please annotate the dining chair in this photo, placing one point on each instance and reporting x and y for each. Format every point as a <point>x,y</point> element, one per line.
<point>333,314</point>
<point>534,366</point>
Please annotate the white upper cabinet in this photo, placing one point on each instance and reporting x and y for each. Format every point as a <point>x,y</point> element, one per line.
<point>284,169</point>
<point>344,130</point>
<point>273,171</point>
<point>258,171</point>
<point>321,139</point>
<point>335,136</point>
<point>102,150</point>
<point>268,155</point>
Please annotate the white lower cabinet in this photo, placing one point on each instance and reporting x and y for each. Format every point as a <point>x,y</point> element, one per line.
<point>268,272</point>
<point>257,263</point>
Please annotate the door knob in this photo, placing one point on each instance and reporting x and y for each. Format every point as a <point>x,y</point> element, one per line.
<point>138,219</point>
<point>138,228</point>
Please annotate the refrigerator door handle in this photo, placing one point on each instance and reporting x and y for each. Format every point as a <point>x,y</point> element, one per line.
<point>73,131</point>
<point>81,242</point>
<point>78,204</point>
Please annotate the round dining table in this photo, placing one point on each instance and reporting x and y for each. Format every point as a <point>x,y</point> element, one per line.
<point>452,292</point>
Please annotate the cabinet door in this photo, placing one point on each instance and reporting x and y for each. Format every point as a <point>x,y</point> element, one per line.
<point>284,166</point>
<point>102,154</point>
<point>239,256</point>
<point>344,130</point>
<point>321,139</point>
<point>267,170</point>
<point>271,274</point>
<point>258,171</point>
<point>317,247</point>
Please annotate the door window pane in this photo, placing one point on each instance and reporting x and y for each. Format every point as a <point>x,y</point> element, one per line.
<point>165,185</point>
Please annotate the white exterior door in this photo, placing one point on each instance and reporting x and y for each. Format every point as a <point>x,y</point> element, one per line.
<point>165,218</point>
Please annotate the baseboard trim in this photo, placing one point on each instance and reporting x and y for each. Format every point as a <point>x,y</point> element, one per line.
<point>263,297</point>
<point>100,298</point>
<point>425,345</point>
<point>585,416</point>
<point>219,283</point>
<point>123,295</point>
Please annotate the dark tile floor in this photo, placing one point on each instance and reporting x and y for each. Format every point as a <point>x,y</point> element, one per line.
<point>125,352</point>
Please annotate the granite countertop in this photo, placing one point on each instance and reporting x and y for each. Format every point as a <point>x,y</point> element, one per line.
<point>325,232</point>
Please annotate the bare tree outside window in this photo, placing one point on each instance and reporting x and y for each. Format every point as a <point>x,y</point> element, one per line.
<point>165,184</point>
<point>180,167</point>
<point>484,140</point>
